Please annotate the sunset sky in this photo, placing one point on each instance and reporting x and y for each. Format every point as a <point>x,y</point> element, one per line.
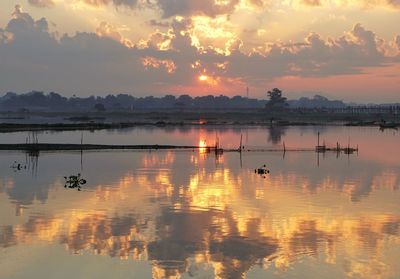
<point>342,49</point>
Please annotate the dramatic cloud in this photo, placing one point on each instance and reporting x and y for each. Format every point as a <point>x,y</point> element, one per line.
<point>210,8</point>
<point>315,57</point>
<point>42,3</point>
<point>32,57</point>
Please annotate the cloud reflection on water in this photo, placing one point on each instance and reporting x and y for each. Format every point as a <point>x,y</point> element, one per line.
<point>199,217</point>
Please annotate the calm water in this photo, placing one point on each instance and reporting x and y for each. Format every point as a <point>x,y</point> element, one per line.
<point>188,214</point>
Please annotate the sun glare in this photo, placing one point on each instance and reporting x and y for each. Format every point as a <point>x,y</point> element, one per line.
<point>203,78</point>
<point>202,146</point>
<point>202,143</point>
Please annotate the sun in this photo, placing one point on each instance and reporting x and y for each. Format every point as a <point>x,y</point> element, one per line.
<point>202,146</point>
<point>202,143</point>
<point>203,78</point>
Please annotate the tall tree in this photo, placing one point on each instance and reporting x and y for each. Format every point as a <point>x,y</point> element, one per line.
<point>276,100</point>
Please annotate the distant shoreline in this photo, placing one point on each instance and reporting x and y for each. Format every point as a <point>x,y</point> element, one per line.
<point>53,121</point>
<point>12,127</point>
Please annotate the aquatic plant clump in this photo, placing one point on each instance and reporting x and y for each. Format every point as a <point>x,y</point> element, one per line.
<point>262,171</point>
<point>74,181</point>
<point>18,166</point>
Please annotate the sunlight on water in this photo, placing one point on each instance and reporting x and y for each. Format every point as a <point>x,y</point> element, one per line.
<point>187,214</point>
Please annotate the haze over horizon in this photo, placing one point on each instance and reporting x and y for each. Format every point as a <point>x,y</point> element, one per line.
<point>342,50</point>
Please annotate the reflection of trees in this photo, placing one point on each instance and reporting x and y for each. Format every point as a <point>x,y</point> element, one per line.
<point>275,133</point>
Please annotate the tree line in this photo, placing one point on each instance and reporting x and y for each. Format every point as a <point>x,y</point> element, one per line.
<point>54,101</point>
<point>38,100</point>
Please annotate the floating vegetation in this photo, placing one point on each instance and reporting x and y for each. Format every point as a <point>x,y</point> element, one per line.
<point>262,171</point>
<point>18,166</point>
<point>74,181</point>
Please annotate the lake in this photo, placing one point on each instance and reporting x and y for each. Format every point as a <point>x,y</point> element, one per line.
<point>192,214</point>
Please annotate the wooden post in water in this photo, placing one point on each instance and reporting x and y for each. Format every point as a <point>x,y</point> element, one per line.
<point>337,149</point>
<point>81,151</point>
<point>348,144</point>
<point>240,146</point>
<point>284,150</point>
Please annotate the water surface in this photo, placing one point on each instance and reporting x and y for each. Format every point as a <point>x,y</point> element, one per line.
<point>188,214</point>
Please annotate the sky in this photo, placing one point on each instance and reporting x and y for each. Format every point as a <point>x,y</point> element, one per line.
<point>342,49</point>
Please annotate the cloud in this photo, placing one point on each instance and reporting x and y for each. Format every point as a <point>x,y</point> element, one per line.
<point>397,41</point>
<point>108,30</point>
<point>313,3</point>
<point>259,3</point>
<point>22,23</point>
<point>317,57</point>
<point>21,16</point>
<point>363,4</point>
<point>157,23</point>
<point>104,62</point>
<point>394,3</point>
<point>211,8</point>
<point>5,37</point>
<point>126,3</point>
<point>42,3</point>
<point>391,3</point>
<point>87,63</point>
<point>367,39</point>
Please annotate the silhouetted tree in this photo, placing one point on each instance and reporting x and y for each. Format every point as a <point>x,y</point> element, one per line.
<point>186,100</point>
<point>276,101</point>
<point>99,107</point>
<point>55,102</point>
